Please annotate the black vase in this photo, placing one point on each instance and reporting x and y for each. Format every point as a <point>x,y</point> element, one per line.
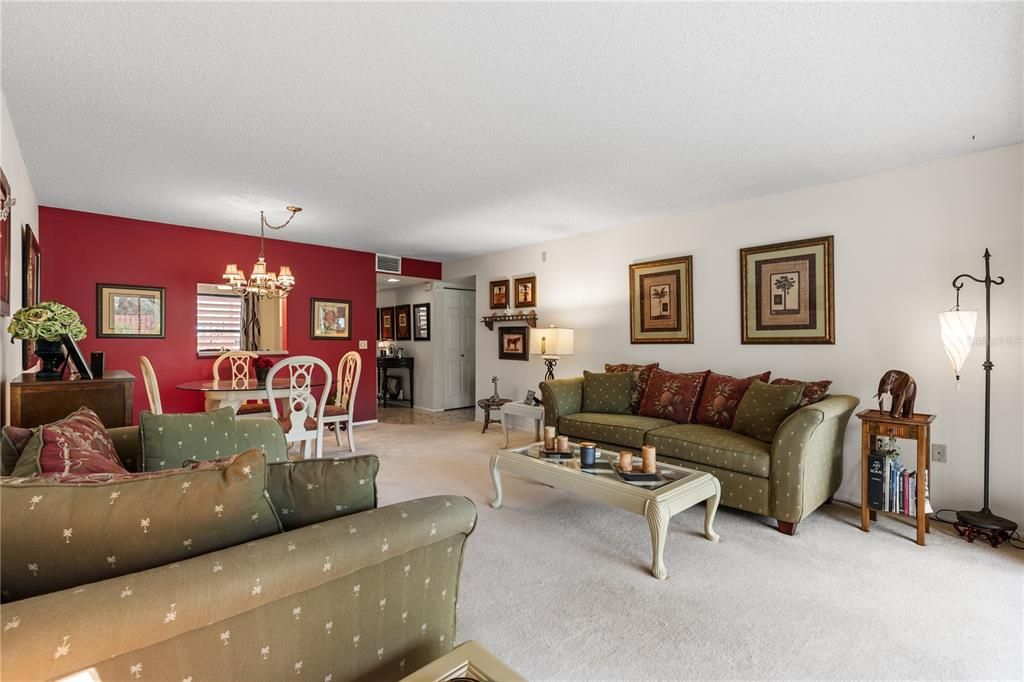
<point>261,374</point>
<point>52,355</point>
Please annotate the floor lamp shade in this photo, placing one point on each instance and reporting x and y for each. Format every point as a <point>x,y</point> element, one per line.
<point>958,327</point>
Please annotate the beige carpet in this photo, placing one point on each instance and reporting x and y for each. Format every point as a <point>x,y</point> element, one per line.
<point>559,587</point>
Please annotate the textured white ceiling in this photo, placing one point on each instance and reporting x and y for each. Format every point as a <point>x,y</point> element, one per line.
<point>443,130</point>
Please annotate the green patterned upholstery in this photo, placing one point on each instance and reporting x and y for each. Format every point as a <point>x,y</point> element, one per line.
<point>129,446</point>
<point>561,396</point>
<point>764,407</point>
<point>623,429</point>
<point>713,446</point>
<point>607,393</point>
<point>739,491</point>
<point>162,450</point>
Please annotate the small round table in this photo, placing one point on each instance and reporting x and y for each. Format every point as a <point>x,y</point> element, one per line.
<point>488,404</point>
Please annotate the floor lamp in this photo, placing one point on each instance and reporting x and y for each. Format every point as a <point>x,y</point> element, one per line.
<point>551,343</point>
<point>958,331</point>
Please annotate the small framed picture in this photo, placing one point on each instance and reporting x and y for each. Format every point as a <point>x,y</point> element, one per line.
<point>330,319</point>
<point>526,292</point>
<point>421,322</point>
<point>499,294</point>
<point>514,343</point>
<point>531,396</point>
<point>130,312</point>
<point>387,323</point>
<point>403,322</point>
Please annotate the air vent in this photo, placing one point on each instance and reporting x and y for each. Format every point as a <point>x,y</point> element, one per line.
<point>391,264</point>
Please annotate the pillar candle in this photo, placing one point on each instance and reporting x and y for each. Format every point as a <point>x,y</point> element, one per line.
<point>549,437</point>
<point>626,460</point>
<point>650,463</point>
<point>562,443</point>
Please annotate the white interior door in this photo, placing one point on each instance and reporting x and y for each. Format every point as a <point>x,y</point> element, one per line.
<point>460,348</point>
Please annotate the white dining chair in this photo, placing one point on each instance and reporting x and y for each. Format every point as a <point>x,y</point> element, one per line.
<point>152,386</point>
<point>300,416</point>
<point>240,361</point>
<point>340,413</point>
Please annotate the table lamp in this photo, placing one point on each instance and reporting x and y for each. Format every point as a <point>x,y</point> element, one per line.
<point>551,343</point>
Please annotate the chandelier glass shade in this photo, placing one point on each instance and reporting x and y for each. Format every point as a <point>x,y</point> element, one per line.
<point>261,283</point>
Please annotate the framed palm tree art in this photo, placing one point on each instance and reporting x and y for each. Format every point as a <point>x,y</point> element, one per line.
<point>661,301</point>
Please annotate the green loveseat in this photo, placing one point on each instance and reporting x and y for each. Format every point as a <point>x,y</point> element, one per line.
<point>367,596</point>
<point>786,479</point>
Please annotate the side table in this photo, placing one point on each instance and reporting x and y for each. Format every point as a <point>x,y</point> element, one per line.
<point>488,404</point>
<point>534,412</point>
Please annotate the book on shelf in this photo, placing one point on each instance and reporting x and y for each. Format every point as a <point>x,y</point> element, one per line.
<point>894,488</point>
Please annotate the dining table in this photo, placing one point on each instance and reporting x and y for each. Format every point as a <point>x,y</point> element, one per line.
<point>220,393</point>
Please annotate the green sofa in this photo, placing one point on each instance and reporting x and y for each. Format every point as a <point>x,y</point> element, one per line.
<point>786,479</point>
<point>366,596</point>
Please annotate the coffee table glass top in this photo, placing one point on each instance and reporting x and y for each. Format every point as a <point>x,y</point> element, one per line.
<point>605,466</point>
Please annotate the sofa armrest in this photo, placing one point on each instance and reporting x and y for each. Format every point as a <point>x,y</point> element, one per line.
<point>561,397</point>
<point>807,457</point>
<point>128,446</point>
<point>222,605</point>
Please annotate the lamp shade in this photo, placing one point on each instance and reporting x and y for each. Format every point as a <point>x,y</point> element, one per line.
<point>957,327</point>
<point>551,342</point>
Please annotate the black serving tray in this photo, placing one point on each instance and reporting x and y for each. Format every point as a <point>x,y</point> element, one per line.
<point>637,475</point>
<point>554,454</point>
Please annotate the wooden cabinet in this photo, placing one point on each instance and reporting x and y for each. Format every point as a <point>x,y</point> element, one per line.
<point>41,402</point>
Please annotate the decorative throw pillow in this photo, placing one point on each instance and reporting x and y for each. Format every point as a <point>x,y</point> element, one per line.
<point>764,407</point>
<point>77,444</point>
<point>721,396</point>
<point>813,390</point>
<point>641,377</point>
<point>60,531</point>
<point>673,396</point>
<point>12,444</point>
<point>168,440</point>
<point>304,493</point>
<point>607,393</point>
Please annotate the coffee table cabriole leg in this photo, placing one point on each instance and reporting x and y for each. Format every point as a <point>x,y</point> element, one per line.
<point>710,511</point>
<point>496,477</point>
<point>657,519</point>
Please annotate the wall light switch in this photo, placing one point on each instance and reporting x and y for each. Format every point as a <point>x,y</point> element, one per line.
<point>364,344</point>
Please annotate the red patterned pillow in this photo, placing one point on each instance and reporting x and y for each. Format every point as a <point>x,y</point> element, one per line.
<point>641,377</point>
<point>673,396</point>
<point>77,444</point>
<point>813,390</point>
<point>721,397</point>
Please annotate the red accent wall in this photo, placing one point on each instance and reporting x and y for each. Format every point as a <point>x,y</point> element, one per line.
<point>83,249</point>
<point>413,267</point>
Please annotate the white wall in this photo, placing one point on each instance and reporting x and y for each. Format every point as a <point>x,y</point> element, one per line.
<point>900,238</point>
<point>25,212</point>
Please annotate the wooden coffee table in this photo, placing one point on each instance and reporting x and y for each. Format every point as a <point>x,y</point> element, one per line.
<point>658,501</point>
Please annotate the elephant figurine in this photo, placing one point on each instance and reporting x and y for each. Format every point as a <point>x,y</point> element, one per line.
<point>903,390</point>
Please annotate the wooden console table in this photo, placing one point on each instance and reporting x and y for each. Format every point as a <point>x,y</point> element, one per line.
<point>383,365</point>
<point>36,402</point>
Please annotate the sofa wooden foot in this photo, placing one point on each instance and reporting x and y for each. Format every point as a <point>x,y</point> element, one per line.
<point>787,527</point>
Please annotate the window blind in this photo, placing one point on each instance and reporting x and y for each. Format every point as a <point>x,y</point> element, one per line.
<point>218,322</point>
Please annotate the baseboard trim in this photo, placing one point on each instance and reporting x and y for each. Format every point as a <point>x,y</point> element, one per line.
<point>364,423</point>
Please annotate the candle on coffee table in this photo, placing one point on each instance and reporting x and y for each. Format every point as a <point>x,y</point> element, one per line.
<point>562,443</point>
<point>626,461</point>
<point>549,437</point>
<point>650,462</point>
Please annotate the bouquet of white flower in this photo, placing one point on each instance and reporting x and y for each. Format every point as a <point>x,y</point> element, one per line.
<point>46,321</point>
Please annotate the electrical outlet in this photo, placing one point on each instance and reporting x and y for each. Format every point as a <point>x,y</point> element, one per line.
<point>363,344</point>
<point>938,452</point>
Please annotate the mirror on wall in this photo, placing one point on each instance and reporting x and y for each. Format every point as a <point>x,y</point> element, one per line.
<point>226,321</point>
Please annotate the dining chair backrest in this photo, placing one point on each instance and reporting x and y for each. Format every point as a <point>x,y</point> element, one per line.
<point>240,361</point>
<point>152,387</point>
<point>301,401</point>
<point>348,380</point>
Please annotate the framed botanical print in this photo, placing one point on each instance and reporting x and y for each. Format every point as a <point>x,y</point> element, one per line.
<point>330,319</point>
<point>387,324</point>
<point>661,301</point>
<point>514,343</point>
<point>421,322</point>
<point>403,322</point>
<point>787,293</point>
<point>499,294</point>
<point>526,292</point>
<point>31,260</point>
<point>132,312</point>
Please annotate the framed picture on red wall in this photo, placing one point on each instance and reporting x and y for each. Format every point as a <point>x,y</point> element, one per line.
<point>31,260</point>
<point>127,311</point>
<point>6,206</point>
<point>330,319</point>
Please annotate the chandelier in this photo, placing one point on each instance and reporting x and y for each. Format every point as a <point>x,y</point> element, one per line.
<point>262,284</point>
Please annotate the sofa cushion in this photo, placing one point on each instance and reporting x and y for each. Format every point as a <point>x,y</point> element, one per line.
<point>168,440</point>
<point>61,531</point>
<point>621,429</point>
<point>304,493</point>
<point>608,393</point>
<point>713,446</point>
<point>813,390</point>
<point>77,444</point>
<point>12,444</point>
<point>641,377</point>
<point>721,396</point>
<point>764,407</point>
<point>673,396</point>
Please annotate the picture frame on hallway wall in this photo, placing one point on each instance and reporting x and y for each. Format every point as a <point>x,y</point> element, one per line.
<point>421,322</point>
<point>499,294</point>
<point>403,322</point>
<point>514,343</point>
<point>787,292</point>
<point>6,216</point>
<point>661,301</point>
<point>387,323</point>
<point>526,292</point>
<point>128,311</point>
<point>31,264</point>
<point>330,319</point>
